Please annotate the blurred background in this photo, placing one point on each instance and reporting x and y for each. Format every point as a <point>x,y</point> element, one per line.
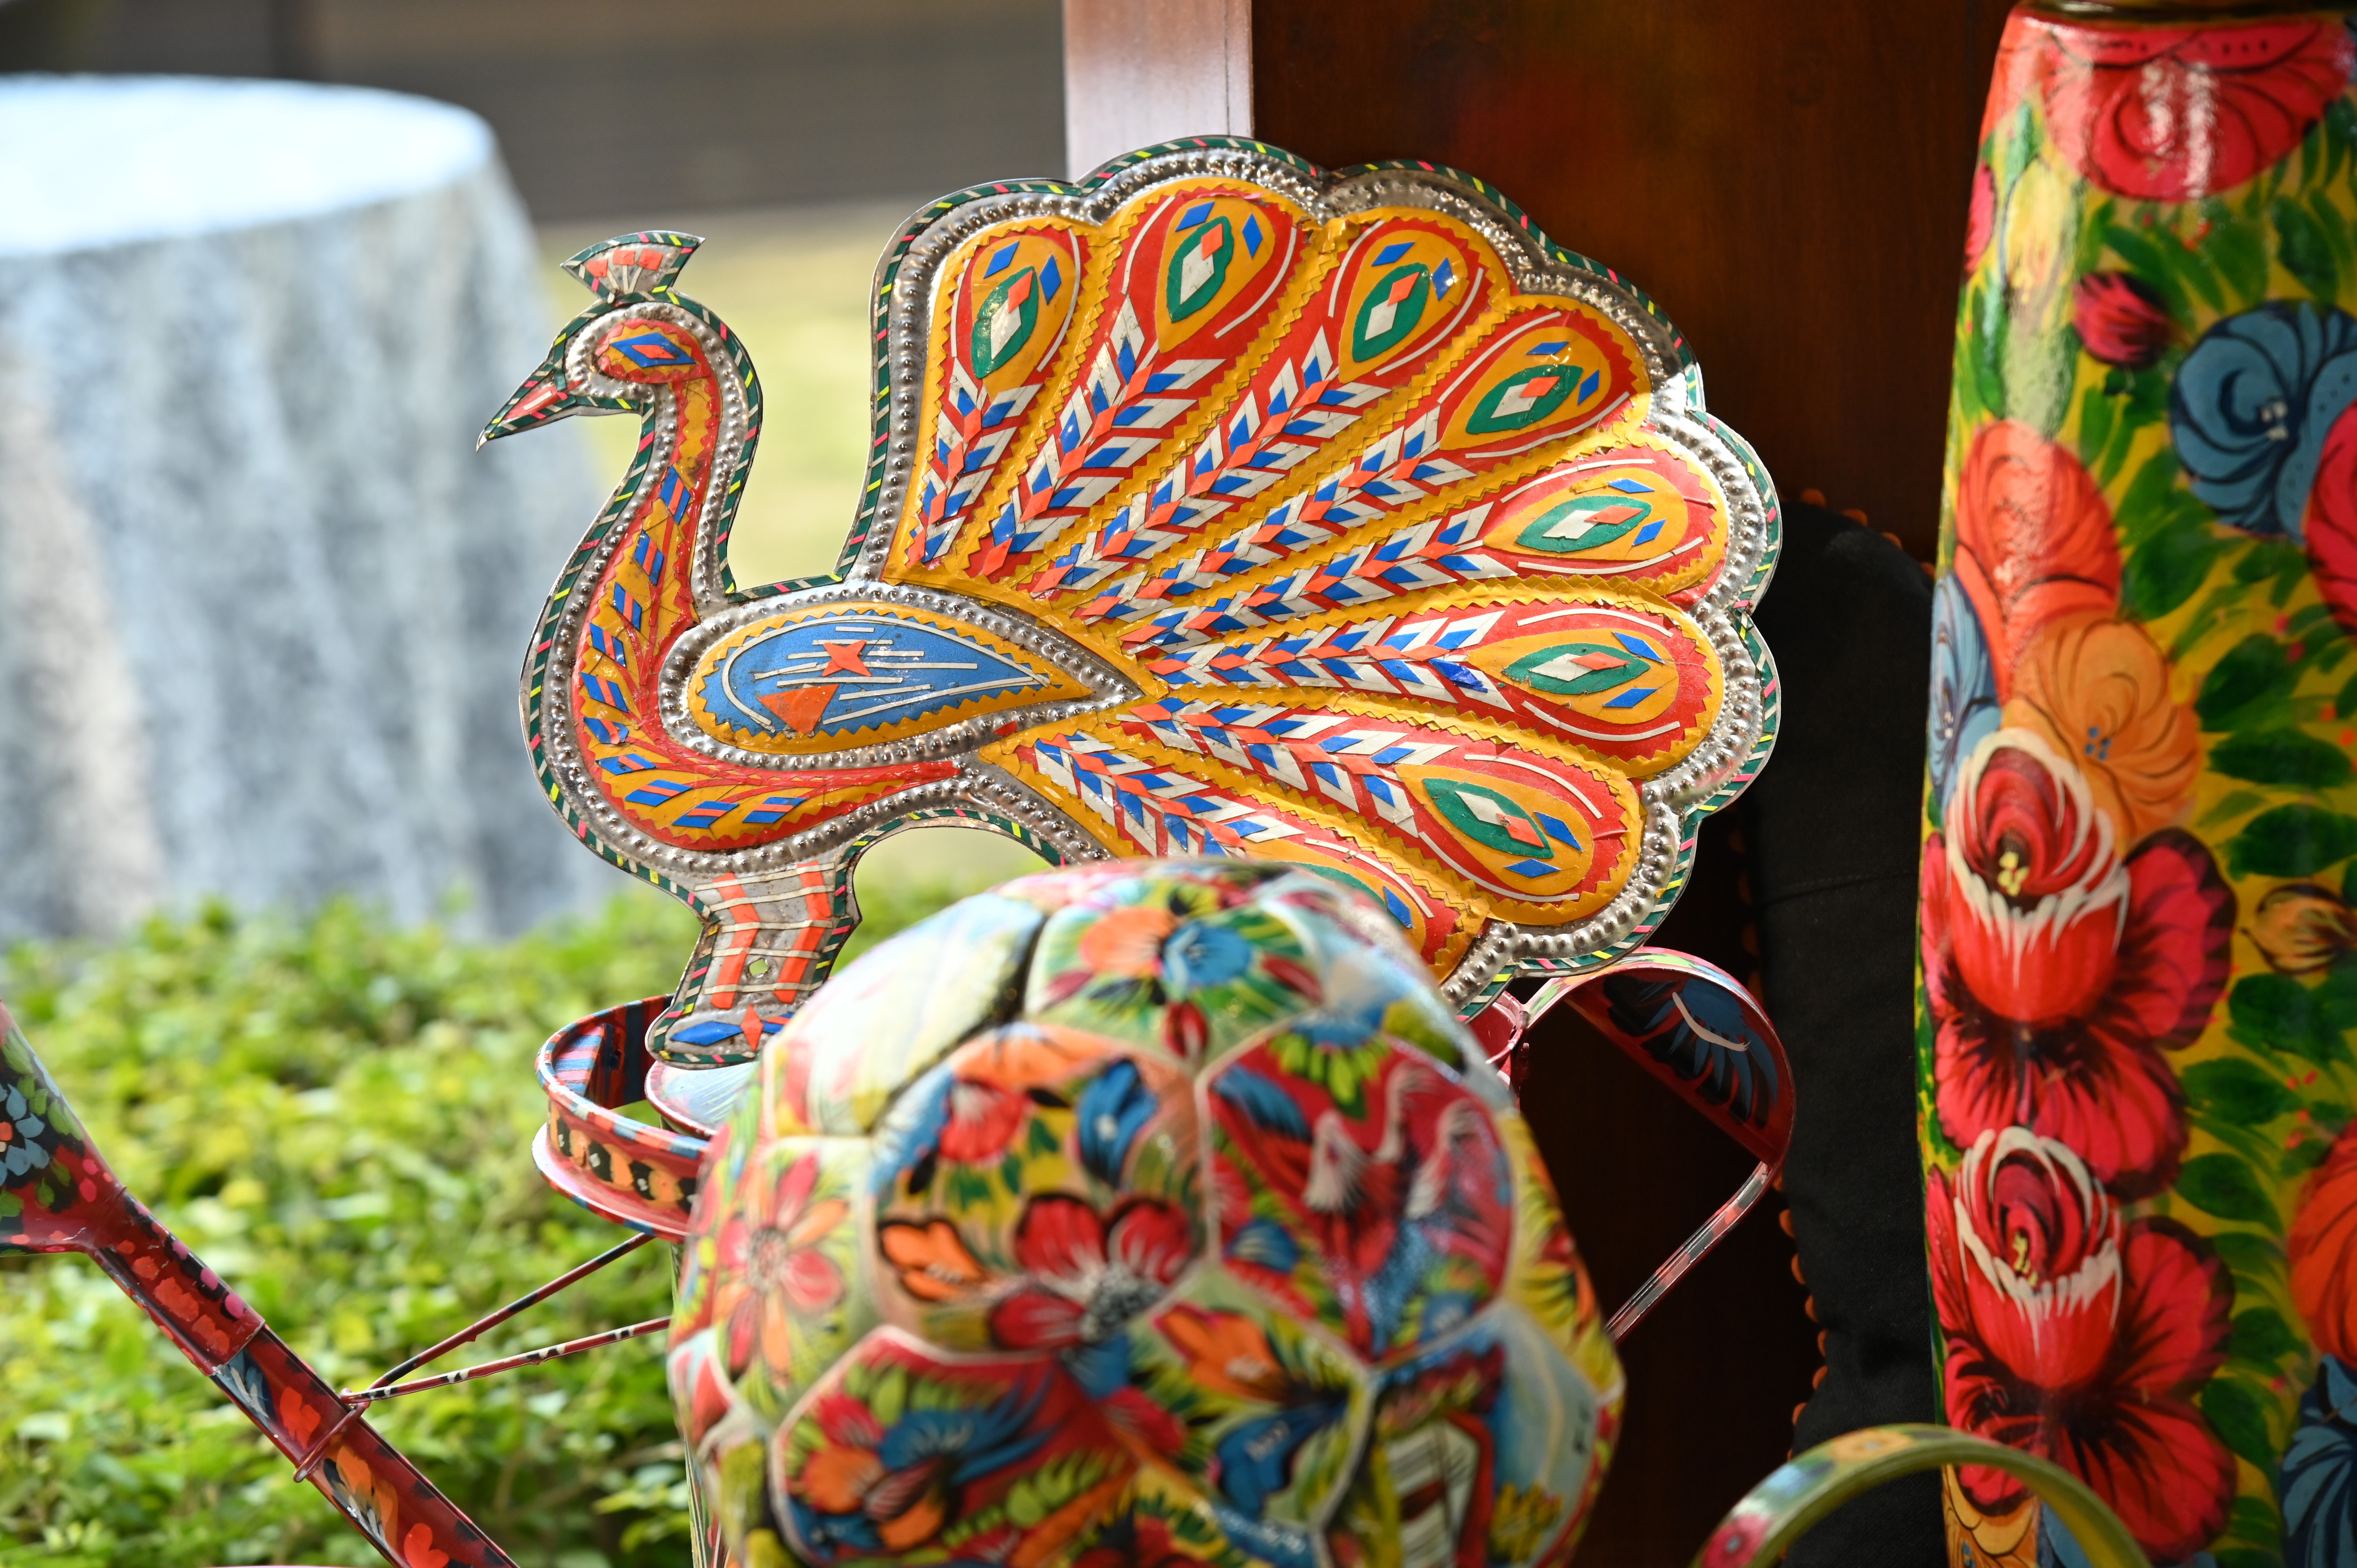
<point>602,108</point>
<point>794,136</point>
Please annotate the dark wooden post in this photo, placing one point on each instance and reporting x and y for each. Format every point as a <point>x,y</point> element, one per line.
<point>1141,72</point>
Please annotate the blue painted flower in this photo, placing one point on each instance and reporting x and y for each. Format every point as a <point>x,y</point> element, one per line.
<point>1698,1031</point>
<point>1358,989</point>
<point>22,1150</point>
<point>1963,686</point>
<point>1254,1458</point>
<point>2251,404</point>
<point>1200,953</point>
<point>2318,1479</point>
<point>1111,1111</point>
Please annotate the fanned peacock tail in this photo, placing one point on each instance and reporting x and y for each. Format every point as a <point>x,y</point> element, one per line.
<point>1220,506</point>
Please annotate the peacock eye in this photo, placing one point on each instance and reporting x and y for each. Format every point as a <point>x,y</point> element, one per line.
<point>648,352</point>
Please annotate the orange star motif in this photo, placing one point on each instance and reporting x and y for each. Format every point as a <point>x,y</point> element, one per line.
<point>848,658</point>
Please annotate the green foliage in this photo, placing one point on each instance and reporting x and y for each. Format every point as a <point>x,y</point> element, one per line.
<point>2237,1414</point>
<point>338,1119</point>
<point>336,1115</point>
<point>2275,1012</point>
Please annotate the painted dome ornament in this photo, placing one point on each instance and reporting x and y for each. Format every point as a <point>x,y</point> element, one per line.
<point>1142,1205</point>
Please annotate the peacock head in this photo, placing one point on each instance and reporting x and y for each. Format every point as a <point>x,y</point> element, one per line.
<point>638,337</point>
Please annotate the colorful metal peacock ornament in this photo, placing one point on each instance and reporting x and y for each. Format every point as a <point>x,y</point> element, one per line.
<point>1220,508</point>
<point>1217,506</point>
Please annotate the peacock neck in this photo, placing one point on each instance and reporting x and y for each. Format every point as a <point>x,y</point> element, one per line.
<point>666,568</point>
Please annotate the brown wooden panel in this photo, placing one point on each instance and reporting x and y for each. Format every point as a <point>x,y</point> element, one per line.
<point>1717,1369</point>
<point>1789,180</point>
<point>1141,72</point>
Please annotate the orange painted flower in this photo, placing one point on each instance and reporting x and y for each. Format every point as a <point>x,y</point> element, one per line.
<point>1226,1352</point>
<point>932,1260</point>
<point>2098,691</point>
<point>2302,928</point>
<point>2034,541</point>
<point>1128,943</point>
<point>772,1268</point>
<point>2323,1251</point>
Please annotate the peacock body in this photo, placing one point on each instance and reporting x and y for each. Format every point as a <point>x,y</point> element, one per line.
<point>1218,506</point>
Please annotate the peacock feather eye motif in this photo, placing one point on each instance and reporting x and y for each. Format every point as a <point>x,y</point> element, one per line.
<point>1219,507</point>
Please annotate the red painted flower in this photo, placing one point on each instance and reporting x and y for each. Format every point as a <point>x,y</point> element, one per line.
<point>771,1267</point>
<point>2081,1339</point>
<point>696,1391</point>
<point>2323,1251</point>
<point>981,1119</point>
<point>2174,113</point>
<point>2121,319</point>
<point>2331,525</point>
<point>1981,223</point>
<point>1089,1275</point>
<point>2034,540</point>
<point>2034,887</point>
<point>2058,972</point>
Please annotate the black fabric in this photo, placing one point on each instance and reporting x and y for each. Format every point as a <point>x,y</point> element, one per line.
<point>1835,831</point>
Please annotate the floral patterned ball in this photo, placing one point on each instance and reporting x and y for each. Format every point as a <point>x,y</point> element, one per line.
<point>1155,1213</point>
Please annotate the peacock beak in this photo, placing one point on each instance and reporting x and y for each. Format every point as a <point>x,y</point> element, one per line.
<point>543,398</point>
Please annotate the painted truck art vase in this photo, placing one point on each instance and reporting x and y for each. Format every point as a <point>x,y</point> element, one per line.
<point>2137,1082</point>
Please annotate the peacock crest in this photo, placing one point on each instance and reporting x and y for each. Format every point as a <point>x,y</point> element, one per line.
<point>1219,506</point>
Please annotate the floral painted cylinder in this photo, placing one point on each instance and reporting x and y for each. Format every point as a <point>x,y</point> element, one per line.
<point>2137,1081</point>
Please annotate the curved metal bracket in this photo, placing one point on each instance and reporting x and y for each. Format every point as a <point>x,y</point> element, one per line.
<point>1693,1027</point>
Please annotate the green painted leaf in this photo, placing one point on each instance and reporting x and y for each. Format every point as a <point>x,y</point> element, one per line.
<point>2224,1185</point>
<point>2255,1519</point>
<point>2195,268</point>
<point>2164,571</point>
<point>2238,1413</point>
<point>2264,558</point>
<point>2281,757</point>
<point>2261,1335</point>
<point>2305,252</point>
<point>2249,1254</point>
<point>2336,998</point>
<point>2298,839</point>
<point>2094,425</point>
<point>2240,249</point>
<point>2250,681</point>
<point>2152,263</point>
<point>2275,1012</point>
<point>2245,1557</point>
<point>2232,805</point>
<point>2302,1157</point>
<point>2236,1090</point>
